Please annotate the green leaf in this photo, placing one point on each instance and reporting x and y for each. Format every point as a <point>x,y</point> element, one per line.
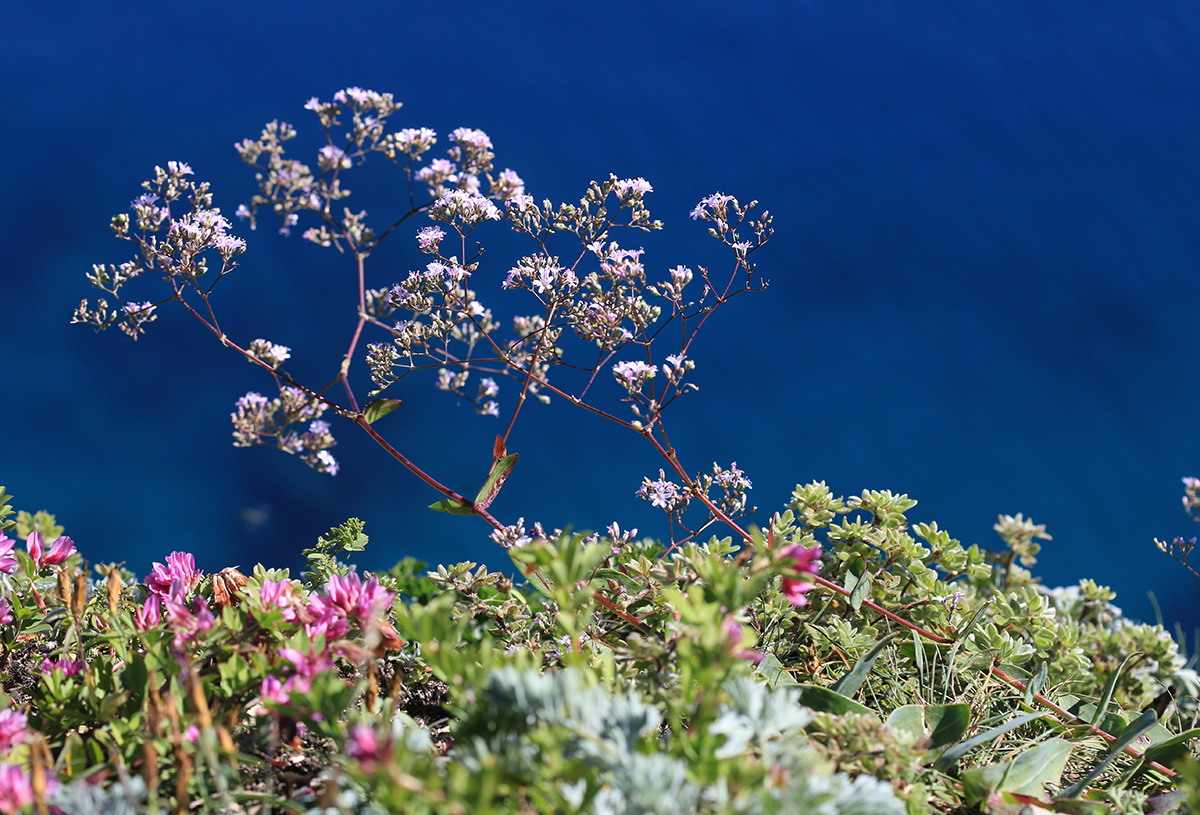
<point>849,684</point>
<point>1109,687</point>
<point>829,701</point>
<point>495,480</point>
<point>379,408</point>
<point>1169,751</point>
<point>1139,726</point>
<point>773,672</point>
<point>861,588</point>
<point>1025,775</point>
<point>958,751</point>
<point>534,575</point>
<point>936,725</point>
<point>452,507</point>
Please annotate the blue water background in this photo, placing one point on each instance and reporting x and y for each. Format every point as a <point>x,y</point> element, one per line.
<point>983,284</point>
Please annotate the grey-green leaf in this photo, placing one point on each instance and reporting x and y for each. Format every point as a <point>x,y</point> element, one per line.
<point>379,408</point>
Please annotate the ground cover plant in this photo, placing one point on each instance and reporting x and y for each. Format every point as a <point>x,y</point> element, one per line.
<point>833,656</point>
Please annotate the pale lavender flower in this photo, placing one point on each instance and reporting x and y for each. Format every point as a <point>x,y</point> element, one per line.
<point>488,386</point>
<point>712,207</point>
<point>242,212</point>
<point>633,375</point>
<point>429,238</point>
<point>662,493</point>
<point>331,157</point>
<point>633,188</point>
<point>326,463</point>
<point>179,168</point>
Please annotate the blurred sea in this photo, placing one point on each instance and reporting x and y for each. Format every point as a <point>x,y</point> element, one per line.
<point>983,282</point>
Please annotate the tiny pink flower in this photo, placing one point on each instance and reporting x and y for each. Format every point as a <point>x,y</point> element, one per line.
<point>16,789</point>
<point>272,690</point>
<point>192,734</point>
<point>186,622</point>
<point>325,621</point>
<point>307,664</point>
<point>281,595</point>
<point>798,563</point>
<point>6,611</point>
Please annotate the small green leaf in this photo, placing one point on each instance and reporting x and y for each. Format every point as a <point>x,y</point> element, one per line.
<point>938,724</point>
<point>379,408</point>
<point>495,480</point>
<point>452,507</point>
<point>534,575</point>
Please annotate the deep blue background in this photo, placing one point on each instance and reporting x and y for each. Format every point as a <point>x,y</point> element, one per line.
<point>983,292</point>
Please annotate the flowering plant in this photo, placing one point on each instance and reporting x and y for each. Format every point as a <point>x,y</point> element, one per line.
<point>833,658</point>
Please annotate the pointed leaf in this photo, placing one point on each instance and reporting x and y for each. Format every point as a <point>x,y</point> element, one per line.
<point>452,507</point>
<point>380,408</point>
<point>534,575</point>
<point>1139,726</point>
<point>909,719</point>
<point>849,684</point>
<point>1168,751</point>
<point>959,750</point>
<point>495,480</point>
<point>947,723</point>
<point>861,588</point>
<point>1025,775</point>
<point>1109,687</point>
<point>828,701</point>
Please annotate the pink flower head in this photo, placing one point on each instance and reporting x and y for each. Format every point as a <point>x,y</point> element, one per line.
<point>62,548</point>
<point>798,563</point>
<point>12,728</point>
<point>281,595</point>
<point>6,611</point>
<point>272,690</point>
<point>349,597</point>
<point>192,734</point>
<point>187,622</point>
<point>308,664</point>
<point>179,565</point>
<point>326,621</point>
<point>8,559</point>
<point>16,789</point>
<point>69,667</point>
<point>149,615</point>
<point>364,746</point>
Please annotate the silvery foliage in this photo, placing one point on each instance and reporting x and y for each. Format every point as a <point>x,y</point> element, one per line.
<point>772,720</point>
<point>603,731</point>
<point>128,797</point>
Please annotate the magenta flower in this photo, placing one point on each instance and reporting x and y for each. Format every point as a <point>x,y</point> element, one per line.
<point>62,549</point>
<point>149,615</point>
<point>326,621</point>
<point>272,690</point>
<point>6,611</point>
<point>310,664</point>
<point>12,728</point>
<point>8,559</point>
<point>16,789</point>
<point>365,747</point>
<point>281,595</point>
<point>186,622</point>
<point>179,565</point>
<point>349,597</point>
<point>798,563</point>
<point>69,667</point>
